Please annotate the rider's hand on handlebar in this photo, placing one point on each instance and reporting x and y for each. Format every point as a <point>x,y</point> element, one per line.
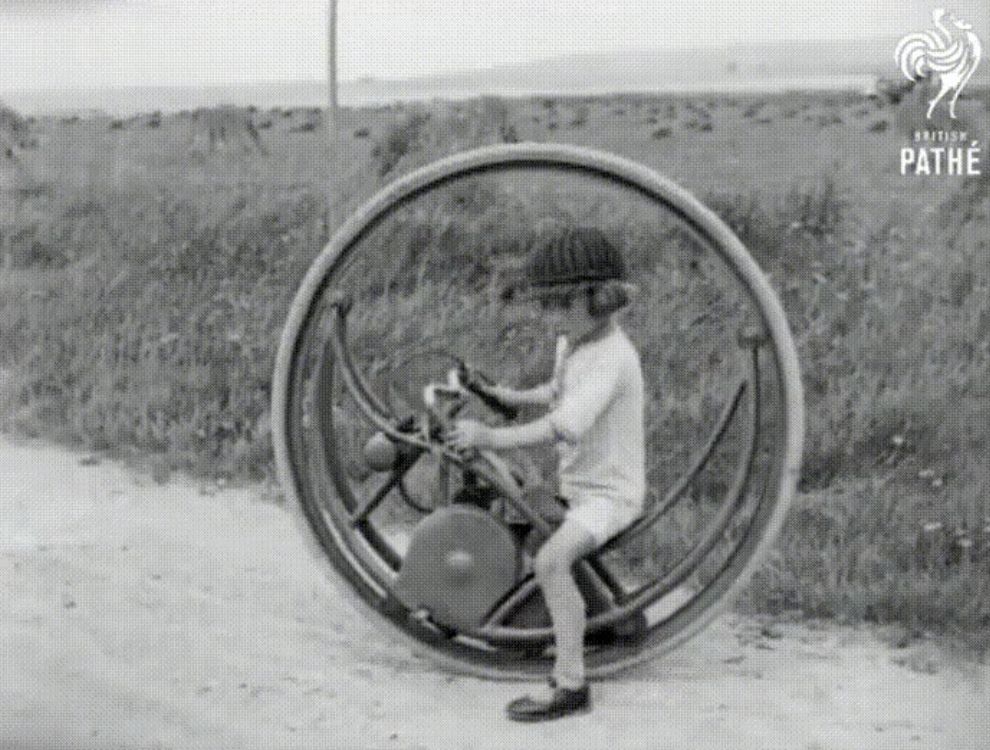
<point>467,434</point>
<point>482,387</point>
<point>473,379</point>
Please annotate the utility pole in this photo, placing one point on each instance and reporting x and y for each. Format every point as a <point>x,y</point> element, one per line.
<point>333,167</point>
<point>332,54</point>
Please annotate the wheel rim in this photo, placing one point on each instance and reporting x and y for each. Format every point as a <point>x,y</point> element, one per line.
<point>312,471</point>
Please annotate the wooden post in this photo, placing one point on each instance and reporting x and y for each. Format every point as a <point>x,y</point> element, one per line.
<point>333,167</point>
<point>332,54</point>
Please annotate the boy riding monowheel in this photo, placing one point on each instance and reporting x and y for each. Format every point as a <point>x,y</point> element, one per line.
<point>594,418</point>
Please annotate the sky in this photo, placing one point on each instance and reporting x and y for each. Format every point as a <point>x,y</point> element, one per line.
<point>91,43</point>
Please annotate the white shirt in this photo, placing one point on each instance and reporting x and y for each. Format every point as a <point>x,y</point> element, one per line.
<point>597,416</point>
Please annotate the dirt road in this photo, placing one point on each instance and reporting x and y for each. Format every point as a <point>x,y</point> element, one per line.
<point>139,615</point>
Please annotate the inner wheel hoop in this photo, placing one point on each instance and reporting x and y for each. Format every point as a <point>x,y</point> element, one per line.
<point>293,393</point>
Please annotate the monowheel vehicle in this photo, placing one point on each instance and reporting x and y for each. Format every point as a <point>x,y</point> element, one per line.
<point>438,544</point>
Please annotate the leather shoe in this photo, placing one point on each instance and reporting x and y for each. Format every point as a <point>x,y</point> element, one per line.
<point>563,702</point>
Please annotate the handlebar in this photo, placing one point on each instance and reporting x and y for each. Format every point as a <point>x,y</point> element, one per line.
<point>478,385</point>
<point>444,400</point>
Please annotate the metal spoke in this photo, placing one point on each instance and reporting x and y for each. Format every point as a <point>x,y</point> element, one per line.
<point>517,598</point>
<point>361,514</point>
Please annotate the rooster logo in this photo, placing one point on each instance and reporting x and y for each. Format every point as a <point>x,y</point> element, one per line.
<point>952,53</point>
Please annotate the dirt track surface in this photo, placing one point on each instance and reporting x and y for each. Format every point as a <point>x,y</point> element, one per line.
<point>141,615</point>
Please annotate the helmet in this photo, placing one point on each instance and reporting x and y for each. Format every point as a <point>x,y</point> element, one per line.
<point>572,256</point>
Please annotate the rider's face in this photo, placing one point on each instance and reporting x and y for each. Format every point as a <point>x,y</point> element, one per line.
<point>565,314</point>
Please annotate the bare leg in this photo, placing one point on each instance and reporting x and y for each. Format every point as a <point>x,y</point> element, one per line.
<point>553,569</point>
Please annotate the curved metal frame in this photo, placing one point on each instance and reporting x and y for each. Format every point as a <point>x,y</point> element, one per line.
<point>494,650</point>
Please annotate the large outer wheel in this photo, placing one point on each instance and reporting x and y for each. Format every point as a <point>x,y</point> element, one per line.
<point>312,473</point>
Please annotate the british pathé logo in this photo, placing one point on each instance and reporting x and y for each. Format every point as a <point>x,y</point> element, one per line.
<point>942,152</point>
<point>951,50</point>
<point>947,56</point>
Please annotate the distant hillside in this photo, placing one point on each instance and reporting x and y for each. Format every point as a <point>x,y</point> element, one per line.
<point>850,64</point>
<point>764,67</point>
<point>685,66</point>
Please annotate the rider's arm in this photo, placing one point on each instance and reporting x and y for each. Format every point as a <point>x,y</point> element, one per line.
<point>468,433</point>
<point>571,418</point>
<point>517,436</point>
<point>540,395</point>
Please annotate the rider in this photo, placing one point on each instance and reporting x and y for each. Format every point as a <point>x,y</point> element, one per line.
<point>595,420</point>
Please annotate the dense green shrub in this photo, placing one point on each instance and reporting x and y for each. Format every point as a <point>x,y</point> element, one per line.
<point>165,348</point>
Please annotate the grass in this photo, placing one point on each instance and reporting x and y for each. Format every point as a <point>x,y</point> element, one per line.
<point>145,281</point>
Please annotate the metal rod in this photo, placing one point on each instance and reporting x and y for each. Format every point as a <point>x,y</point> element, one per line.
<point>717,526</point>
<point>700,460</point>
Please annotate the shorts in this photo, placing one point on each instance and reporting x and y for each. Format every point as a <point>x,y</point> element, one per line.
<point>603,517</point>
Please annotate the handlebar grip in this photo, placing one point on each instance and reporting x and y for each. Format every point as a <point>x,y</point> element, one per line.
<point>470,380</point>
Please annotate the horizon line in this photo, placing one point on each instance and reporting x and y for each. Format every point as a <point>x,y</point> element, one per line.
<point>468,70</point>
